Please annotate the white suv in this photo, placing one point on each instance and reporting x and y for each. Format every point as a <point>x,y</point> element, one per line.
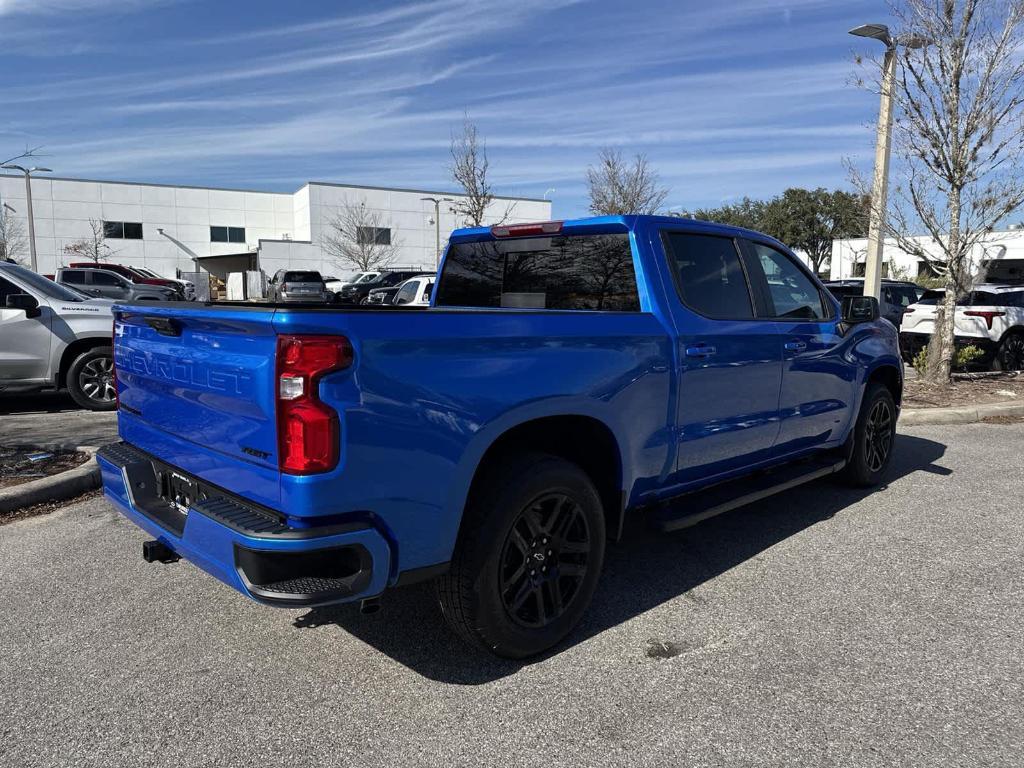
<point>990,318</point>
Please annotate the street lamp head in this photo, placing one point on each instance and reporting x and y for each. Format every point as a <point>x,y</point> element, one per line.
<point>40,170</point>
<point>914,41</point>
<point>876,31</point>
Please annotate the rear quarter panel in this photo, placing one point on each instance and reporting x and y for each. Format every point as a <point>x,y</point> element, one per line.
<point>430,391</point>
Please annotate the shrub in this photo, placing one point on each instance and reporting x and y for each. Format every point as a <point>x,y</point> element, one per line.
<point>961,359</point>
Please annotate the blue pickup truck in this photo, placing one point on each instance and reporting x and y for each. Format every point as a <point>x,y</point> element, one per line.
<point>565,377</point>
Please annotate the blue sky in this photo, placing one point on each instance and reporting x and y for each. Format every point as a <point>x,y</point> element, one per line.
<point>726,98</point>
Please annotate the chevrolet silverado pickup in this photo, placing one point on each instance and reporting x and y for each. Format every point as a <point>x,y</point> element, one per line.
<point>566,377</point>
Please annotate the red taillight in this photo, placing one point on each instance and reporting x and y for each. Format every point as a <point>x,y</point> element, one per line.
<point>522,230</point>
<point>307,430</point>
<point>987,314</point>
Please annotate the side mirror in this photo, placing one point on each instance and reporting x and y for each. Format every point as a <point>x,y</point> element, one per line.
<point>859,309</point>
<point>25,302</point>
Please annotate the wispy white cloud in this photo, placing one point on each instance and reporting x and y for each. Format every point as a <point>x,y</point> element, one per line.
<point>722,97</point>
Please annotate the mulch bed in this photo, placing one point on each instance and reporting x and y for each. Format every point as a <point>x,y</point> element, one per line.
<point>46,506</point>
<point>965,390</point>
<point>23,465</point>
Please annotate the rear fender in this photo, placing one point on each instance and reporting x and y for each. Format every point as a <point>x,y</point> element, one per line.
<point>462,478</point>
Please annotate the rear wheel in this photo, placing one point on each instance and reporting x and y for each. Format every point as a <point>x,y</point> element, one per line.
<point>1010,355</point>
<point>874,435</point>
<point>528,558</point>
<point>90,379</point>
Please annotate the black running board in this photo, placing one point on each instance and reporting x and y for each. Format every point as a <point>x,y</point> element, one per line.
<point>693,508</point>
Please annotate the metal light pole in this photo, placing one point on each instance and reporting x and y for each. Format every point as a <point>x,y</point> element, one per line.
<point>873,260</point>
<point>28,194</point>
<point>437,225</point>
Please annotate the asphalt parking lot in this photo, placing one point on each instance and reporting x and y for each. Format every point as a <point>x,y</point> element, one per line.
<point>53,417</point>
<point>823,627</point>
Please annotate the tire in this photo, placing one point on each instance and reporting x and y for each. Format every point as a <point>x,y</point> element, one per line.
<point>535,510</point>
<point>364,301</point>
<point>1010,355</point>
<point>873,439</point>
<point>90,380</point>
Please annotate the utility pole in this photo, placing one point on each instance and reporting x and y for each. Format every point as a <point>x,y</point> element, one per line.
<point>873,260</point>
<point>437,225</point>
<point>28,194</point>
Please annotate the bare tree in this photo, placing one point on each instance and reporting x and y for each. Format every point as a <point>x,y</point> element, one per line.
<point>93,246</point>
<point>13,242</point>
<point>618,187</point>
<point>469,169</point>
<point>959,134</point>
<point>360,237</point>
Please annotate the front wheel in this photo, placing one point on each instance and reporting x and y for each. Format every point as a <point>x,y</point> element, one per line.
<point>874,435</point>
<point>528,557</point>
<point>90,380</point>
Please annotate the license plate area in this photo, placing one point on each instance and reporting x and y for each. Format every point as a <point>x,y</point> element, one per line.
<point>177,489</point>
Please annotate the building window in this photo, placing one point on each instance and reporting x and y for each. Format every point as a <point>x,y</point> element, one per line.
<point>373,235</point>
<point>227,234</point>
<point>122,230</point>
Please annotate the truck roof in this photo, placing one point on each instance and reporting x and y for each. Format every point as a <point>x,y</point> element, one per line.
<point>611,223</point>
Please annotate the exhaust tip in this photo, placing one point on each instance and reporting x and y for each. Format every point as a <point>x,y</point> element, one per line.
<point>369,605</point>
<point>158,552</point>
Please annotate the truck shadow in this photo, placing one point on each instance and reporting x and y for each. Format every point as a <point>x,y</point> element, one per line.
<point>643,571</point>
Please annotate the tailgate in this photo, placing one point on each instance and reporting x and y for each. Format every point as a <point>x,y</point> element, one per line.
<point>203,375</point>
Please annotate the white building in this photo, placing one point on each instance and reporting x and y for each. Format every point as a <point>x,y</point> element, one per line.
<point>1001,253</point>
<point>170,229</point>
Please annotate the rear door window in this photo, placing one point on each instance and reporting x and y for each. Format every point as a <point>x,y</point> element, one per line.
<point>709,275</point>
<point>588,272</point>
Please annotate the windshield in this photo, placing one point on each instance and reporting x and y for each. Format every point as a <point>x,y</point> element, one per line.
<point>366,277</point>
<point>42,284</point>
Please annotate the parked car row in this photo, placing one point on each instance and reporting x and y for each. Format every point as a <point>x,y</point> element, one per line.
<point>990,318</point>
<point>401,286</point>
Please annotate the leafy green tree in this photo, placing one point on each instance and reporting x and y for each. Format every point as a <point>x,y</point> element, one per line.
<point>749,214</point>
<point>807,220</point>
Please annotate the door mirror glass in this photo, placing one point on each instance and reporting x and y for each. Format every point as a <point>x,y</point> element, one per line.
<point>859,309</point>
<point>23,301</point>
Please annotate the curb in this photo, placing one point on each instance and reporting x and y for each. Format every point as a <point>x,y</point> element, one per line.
<point>968,414</point>
<point>63,485</point>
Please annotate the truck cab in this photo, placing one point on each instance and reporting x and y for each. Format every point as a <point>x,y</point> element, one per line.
<point>567,378</point>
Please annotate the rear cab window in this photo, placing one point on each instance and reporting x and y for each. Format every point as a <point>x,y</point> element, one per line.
<point>565,272</point>
<point>302,277</point>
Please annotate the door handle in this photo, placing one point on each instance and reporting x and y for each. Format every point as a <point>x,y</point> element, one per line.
<point>700,350</point>
<point>794,346</point>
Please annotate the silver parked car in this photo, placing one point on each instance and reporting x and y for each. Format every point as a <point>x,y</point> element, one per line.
<point>53,337</point>
<point>298,285</point>
<point>105,284</point>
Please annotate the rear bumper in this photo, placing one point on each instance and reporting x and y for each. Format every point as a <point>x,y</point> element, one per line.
<point>912,343</point>
<point>247,547</point>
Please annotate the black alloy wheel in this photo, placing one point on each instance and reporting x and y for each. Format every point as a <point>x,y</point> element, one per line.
<point>1011,353</point>
<point>544,560</point>
<point>879,433</point>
